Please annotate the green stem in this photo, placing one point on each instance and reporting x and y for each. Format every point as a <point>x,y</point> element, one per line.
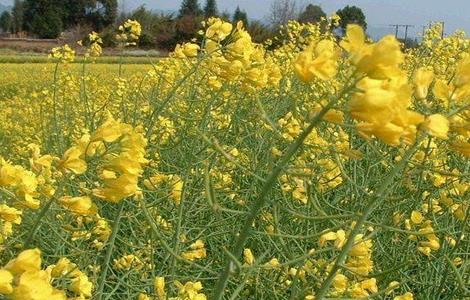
<point>382,192</point>
<point>37,223</point>
<point>54,105</point>
<point>261,201</point>
<point>109,253</point>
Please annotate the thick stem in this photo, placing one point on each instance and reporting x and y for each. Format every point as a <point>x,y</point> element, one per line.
<point>109,252</point>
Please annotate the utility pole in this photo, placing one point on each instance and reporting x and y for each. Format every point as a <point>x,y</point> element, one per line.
<point>406,26</point>
<point>406,30</point>
<point>442,27</point>
<point>396,30</point>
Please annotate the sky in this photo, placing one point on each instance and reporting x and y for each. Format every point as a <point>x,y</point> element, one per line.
<point>380,14</point>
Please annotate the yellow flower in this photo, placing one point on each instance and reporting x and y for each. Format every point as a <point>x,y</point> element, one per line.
<point>28,260</point>
<point>81,285</point>
<point>378,61</point>
<point>461,147</point>
<point>109,131</point>
<point>190,49</point>
<point>273,263</point>
<point>370,285</point>
<point>143,296</point>
<point>340,283</point>
<point>437,125</point>
<point>248,256</point>
<point>6,280</point>
<point>79,205</point>
<point>159,286</point>
<point>190,290</point>
<point>416,217</point>
<point>10,214</point>
<point>186,50</point>
<point>64,54</point>
<point>462,74</point>
<point>422,79</point>
<point>73,161</point>
<point>319,60</point>
<point>339,237</point>
<point>197,251</point>
<point>218,29</point>
<point>443,91</point>
<point>62,267</point>
<point>127,262</point>
<point>36,285</point>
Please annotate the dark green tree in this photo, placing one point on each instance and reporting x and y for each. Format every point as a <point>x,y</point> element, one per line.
<point>74,12</point>
<point>312,14</point>
<point>240,15</point>
<point>44,17</point>
<point>190,8</point>
<point>51,16</point>
<point>101,13</point>
<point>259,32</point>
<point>210,10</point>
<point>225,15</point>
<point>17,14</point>
<point>5,21</point>
<point>351,15</point>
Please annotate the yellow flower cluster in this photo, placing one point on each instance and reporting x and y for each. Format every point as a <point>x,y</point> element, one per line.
<point>64,54</point>
<point>173,181</point>
<point>196,251</point>
<point>23,278</point>
<point>234,57</point>
<point>129,32</point>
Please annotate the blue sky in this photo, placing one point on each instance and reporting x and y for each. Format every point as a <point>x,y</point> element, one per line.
<point>379,13</point>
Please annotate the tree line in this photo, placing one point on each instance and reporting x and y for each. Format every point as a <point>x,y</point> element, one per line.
<point>49,18</point>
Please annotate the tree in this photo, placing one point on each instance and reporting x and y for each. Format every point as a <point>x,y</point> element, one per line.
<point>101,13</point>
<point>190,8</point>
<point>351,15</point>
<point>17,16</point>
<point>210,10</point>
<point>312,14</point>
<point>225,16</point>
<point>240,15</point>
<point>5,21</point>
<point>282,11</point>
<point>50,17</point>
<point>43,17</point>
<point>259,32</point>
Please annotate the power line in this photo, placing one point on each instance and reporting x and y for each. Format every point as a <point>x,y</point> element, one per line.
<point>406,26</point>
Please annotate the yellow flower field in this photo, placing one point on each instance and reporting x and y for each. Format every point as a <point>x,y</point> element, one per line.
<point>311,167</point>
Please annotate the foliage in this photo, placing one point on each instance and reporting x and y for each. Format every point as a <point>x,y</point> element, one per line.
<point>190,8</point>
<point>210,9</point>
<point>312,14</point>
<point>47,18</point>
<point>240,15</point>
<point>282,11</point>
<point>259,31</point>
<point>351,15</point>
<point>17,16</point>
<point>5,21</point>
